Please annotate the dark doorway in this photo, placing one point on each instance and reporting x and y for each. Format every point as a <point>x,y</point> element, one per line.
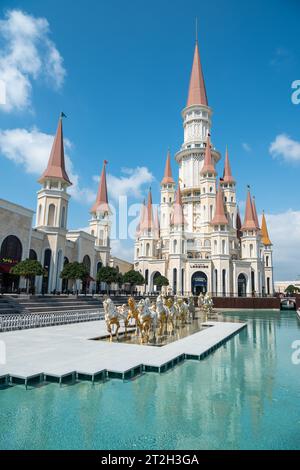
<point>242,285</point>
<point>155,287</point>
<point>199,283</point>
<point>65,282</point>
<point>47,266</point>
<point>10,255</point>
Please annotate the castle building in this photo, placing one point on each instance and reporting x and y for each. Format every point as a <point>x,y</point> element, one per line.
<point>198,242</point>
<point>49,241</point>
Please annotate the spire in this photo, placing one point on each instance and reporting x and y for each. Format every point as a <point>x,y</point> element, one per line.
<point>264,232</point>
<point>255,213</point>
<point>138,227</point>
<point>249,221</point>
<point>238,223</point>
<point>156,224</point>
<point>101,203</point>
<point>197,91</point>
<point>147,221</point>
<point>177,216</point>
<point>208,166</point>
<point>219,217</point>
<point>227,178</point>
<point>168,178</point>
<point>56,164</point>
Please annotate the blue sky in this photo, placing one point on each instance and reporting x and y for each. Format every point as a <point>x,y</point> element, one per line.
<point>120,72</point>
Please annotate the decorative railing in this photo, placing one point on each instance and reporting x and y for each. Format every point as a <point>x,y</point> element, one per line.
<point>11,322</point>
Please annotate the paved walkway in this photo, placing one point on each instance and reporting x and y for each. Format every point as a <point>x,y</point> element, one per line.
<point>62,350</point>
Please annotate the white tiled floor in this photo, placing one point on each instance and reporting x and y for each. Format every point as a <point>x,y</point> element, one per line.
<point>60,350</point>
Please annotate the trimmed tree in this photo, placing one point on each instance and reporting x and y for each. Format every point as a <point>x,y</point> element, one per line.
<point>74,271</point>
<point>291,289</point>
<point>108,275</point>
<point>134,278</point>
<point>161,281</point>
<point>28,268</point>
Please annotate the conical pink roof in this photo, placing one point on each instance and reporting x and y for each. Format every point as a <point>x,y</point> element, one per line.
<point>219,217</point>
<point>168,178</point>
<point>227,178</point>
<point>56,163</point>
<point>208,166</point>
<point>238,223</point>
<point>177,216</point>
<point>156,223</point>
<point>255,213</point>
<point>249,221</point>
<point>197,91</point>
<point>147,221</point>
<point>101,203</point>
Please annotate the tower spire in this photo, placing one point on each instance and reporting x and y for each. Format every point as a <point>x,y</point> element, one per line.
<point>197,90</point>
<point>219,217</point>
<point>227,178</point>
<point>56,164</point>
<point>264,232</point>
<point>255,212</point>
<point>168,178</point>
<point>147,221</point>
<point>249,221</point>
<point>177,216</point>
<point>208,166</point>
<point>101,203</point>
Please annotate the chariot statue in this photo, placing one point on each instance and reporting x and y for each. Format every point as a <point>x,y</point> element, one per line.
<point>112,317</point>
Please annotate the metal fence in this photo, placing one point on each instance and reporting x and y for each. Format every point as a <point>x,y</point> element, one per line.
<point>10,322</point>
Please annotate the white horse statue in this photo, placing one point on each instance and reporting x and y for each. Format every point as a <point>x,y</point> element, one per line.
<point>147,319</point>
<point>112,318</point>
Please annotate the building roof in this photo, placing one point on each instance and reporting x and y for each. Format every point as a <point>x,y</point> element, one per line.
<point>56,163</point>
<point>249,220</point>
<point>255,212</point>
<point>227,178</point>
<point>208,166</point>
<point>197,90</point>
<point>147,219</point>
<point>264,232</point>
<point>219,217</point>
<point>177,216</point>
<point>168,178</point>
<point>101,203</point>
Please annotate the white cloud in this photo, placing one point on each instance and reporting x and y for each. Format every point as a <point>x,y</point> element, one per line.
<point>27,54</point>
<point>285,148</point>
<point>246,147</point>
<point>130,185</point>
<point>284,231</point>
<point>31,149</point>
<point>122,250</point>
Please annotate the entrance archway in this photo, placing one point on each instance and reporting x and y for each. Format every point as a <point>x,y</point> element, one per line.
<point>10,255</point>
<point>242,285</point>
<point>199,283</point>
<point>154,277</point>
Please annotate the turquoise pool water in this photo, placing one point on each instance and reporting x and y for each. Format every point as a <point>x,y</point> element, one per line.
<point>246,395</point>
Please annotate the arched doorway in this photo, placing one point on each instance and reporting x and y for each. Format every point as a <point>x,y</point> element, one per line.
<point>155,288</point>
<point>10,255</point>
<point>64,286</point>
<point>32,256</point>
<point>242,285</point>
<point>98,284</point>
<point>199,283</point>
<point>87,264</point>
<point>47,266</point>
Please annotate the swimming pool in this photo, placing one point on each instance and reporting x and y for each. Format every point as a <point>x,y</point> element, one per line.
<point>246,395</point>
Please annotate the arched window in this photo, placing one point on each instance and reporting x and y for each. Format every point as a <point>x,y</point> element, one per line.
<point>47,266</point>
<point>216,280</point>
<point>182,246</point>
<point>63,216</point>
<point>174,280</point>
<point>267,261</point>
<point>148,249</point>
<point>175,246</point>
<point>11,248</point>
<point>251,250</point>
<point>224,282</point>
<point>223,247</point>
<point>87,263</point>
<point>93,233</point>
<point>51,215</point>
<point>210,212</point>
<point>268,285</point>
<point>32,254</point>
<point>137,252</point>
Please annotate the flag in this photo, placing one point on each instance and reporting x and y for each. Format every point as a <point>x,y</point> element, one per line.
<point>62,115</point>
